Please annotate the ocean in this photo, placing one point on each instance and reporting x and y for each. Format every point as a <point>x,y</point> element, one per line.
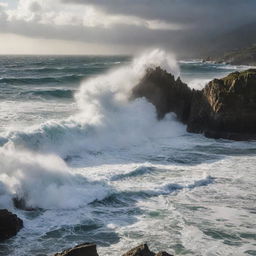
<point>100,168</point>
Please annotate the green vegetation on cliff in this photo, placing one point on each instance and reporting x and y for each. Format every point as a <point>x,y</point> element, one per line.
<point>225,108</point>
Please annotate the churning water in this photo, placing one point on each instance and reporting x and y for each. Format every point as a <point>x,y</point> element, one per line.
<point>100,168</point>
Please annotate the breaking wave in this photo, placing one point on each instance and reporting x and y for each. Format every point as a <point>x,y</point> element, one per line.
<point>106,120</point>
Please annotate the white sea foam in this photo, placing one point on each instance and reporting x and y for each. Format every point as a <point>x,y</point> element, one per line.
<point>151,180</point>
<point>107,120</point>
<point>106,117</point>
<point>44,181</point>
<point>198,83</point>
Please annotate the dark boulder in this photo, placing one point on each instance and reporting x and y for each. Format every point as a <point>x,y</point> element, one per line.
<point>85,249</point>
<point>88,249</point>
<point>163,254</point>
<point>167,94</point>
<point>10,224</point>
<point>141,250</point>
<point>225,108</point>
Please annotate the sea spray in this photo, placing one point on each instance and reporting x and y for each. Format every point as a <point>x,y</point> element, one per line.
<point>196,194</point>
<point>33,160</point>
<point>106,118</point>
<point>44,181</point>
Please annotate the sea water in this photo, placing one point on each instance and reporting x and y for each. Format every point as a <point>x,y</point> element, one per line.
<point>97,167</point>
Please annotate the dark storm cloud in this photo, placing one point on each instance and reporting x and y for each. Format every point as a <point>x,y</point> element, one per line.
<point>204,20</point>
<point>199,12</point>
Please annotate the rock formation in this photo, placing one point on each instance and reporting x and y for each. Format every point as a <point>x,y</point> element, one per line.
<point>10,224</point>
<point>143,250</point>
<point>85,249</point>
<point>88,249</point>
<point>225,108</point>
<point>20,203</point>
<point>166,93</point>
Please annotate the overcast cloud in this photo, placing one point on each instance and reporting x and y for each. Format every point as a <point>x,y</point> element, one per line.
<point>128,24</point>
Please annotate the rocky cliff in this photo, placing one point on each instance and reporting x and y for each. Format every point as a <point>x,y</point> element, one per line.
<point>225,108</point>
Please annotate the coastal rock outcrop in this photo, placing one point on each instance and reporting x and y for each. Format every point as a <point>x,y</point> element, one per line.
<point>163,254</point>
<point>88,249</point>
<point>225,108</point>
<point>85,249</point>
<point>167,94</point>
<point>141,250</point>
<point>10,224</point>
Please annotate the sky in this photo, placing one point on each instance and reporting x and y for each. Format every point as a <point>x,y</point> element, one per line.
<point>116,26</point>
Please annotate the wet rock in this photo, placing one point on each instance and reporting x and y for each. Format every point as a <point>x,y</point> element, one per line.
<point>20,203</point>
<point>167,94</point>
<point>85,249</point>
<point>141,250</point>
<point>225,108</point>
<point>88,249</point>
<point>10,224</point>
<point>163,254</point>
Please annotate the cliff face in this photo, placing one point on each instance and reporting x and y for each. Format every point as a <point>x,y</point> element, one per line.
<point>230,105</point>
<point>225,108</point>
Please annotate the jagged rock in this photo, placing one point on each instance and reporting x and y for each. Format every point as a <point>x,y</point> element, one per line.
<point>166,93</point>
<point>88,249</point>
<point>141,250</point>
<point>163,254</point>
<point>225,108</point>
<point>85,249</point>
<point>10,224</point>
<point>20,203</point>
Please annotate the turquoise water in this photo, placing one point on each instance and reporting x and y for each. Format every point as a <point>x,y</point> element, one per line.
<point>99,168</point>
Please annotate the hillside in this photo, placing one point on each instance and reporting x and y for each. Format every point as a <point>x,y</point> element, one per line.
<point>246,56</point>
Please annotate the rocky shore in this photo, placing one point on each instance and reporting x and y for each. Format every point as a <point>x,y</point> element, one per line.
<point>225,108</point>
<point>88,249</point>
<point>10,225</point>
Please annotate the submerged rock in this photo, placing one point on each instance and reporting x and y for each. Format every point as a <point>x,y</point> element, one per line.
<point>10,224</point>
<point>225,108</point>
<point>85,249</point>
<point>20,203</point>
